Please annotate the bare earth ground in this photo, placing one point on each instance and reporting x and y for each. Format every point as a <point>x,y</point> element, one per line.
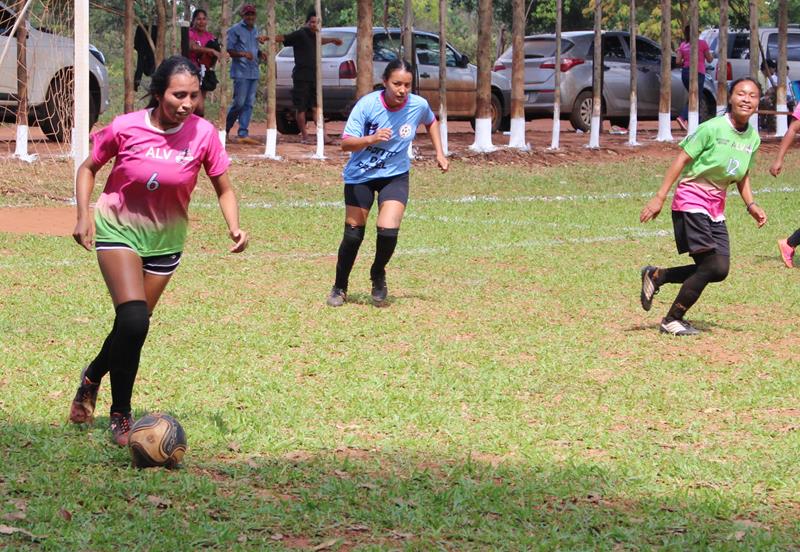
<point>573,149</point>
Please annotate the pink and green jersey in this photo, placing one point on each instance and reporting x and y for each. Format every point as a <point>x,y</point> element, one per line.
<point>721,156</point>
<point>145,202</point>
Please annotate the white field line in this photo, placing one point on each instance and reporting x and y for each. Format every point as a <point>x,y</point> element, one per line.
<point>476,199</point>
<point>633,233</point>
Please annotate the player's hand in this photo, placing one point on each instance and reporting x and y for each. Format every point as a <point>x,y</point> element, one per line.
<point>444,162</point>
<point>337,41</point>
<point>758,214</point>
<point>651,209</point>
<point>84,233</point>
<point>775,168</point>
<point>248,55</point>
<point>241,239</point>
<point>382,135</point>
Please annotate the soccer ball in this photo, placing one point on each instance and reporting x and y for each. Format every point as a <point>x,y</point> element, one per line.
<point>157,440</point>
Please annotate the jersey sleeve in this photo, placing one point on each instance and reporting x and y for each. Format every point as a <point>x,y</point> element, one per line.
<point>697,142</point>
<point>216,160</point>
<point>105,144</point>
<point>355,122</point>
<point>428,117</point>
<point>291,38</point>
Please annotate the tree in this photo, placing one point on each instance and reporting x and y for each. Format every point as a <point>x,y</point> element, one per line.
<point>483,107</point>
<point>517,139</point>
<point>364,78</point>
<point>665,97</point>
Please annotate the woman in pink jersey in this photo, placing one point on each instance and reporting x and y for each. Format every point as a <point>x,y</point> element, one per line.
<point>203,55</point>
<point>683,59</point>
<point>140,221</point>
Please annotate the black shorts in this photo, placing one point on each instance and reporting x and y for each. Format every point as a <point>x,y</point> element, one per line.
<point>163,265</point>
<point>304,95</point>
<point>696,233</point>
<point>391,188</point>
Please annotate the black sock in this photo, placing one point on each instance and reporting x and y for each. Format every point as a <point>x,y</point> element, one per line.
<point>348,251</point>
<point>674,275</point>
<point>99,366</point>
<point>710,268</point>
<point>794,239</point>
<point>384,249</point>
<point>132,324</point>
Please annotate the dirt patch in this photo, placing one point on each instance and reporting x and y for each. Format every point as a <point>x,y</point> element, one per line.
<point>48,221</point>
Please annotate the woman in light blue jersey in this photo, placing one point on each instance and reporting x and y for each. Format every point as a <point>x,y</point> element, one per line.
<point>378,133</point>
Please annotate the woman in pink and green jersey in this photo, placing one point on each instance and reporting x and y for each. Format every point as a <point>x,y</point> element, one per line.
<point>140,221</point>
<point>719,153</point>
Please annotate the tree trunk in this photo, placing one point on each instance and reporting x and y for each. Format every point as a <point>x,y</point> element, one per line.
<point>271,141</point>
<point>554,143</point>
<point>517,139</point>
<point>128,52</point>
<point>22,68</point>
<point>634,99</point>
<point>320,154</point>
<point>665,98</point>
<point>780,93</point>
<point>408,30</point>
<point>222,70</point>
<point>161,36</point>
<point>483,100</point>
<point>443,74</point>
<point>755,57</point>
<point>722,59</point>
<point>597,77</point>
<point>364,77</point>
<point>694,67</point>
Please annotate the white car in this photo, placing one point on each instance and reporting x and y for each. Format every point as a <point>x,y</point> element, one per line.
<point>49,63</point>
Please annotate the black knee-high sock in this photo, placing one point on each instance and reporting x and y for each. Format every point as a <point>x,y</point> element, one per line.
<point>384,249</point>
<point>674,275</point>
<point>99,366</point>
<point>132,324</point>
<point>348,251</point>
<point>710,268</point>
<point>794,239</point>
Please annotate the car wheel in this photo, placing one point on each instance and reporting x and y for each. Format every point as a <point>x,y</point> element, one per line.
<point>285,123</point>
<point>56,120</point>
<point>581,116</point>
<point>497,114</point>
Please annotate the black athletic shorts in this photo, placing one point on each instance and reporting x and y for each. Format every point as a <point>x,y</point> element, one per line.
<point>304,95</point>
<point>390,188</point>
<point>696,233</point>
<point>163,265</point>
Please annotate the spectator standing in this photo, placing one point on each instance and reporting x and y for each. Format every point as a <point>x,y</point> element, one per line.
<point>304,75</point>
<point>243,41</point>
<point>683,58</point>
<point>203,52</point>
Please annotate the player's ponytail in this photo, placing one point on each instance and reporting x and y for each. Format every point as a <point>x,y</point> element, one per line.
<point>159,82</point>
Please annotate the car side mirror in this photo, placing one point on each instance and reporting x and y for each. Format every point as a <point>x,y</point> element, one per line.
<point>463,61</point>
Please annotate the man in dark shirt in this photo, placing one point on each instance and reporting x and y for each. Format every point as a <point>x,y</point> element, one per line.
<point>304,74</point>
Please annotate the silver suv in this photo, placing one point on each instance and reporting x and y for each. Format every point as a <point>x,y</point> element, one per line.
<point>577,49</point>
<point>339,77</point>
<point>50,78</point>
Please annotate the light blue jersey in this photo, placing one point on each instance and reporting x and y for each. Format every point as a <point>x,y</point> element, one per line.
<point>384,159</point>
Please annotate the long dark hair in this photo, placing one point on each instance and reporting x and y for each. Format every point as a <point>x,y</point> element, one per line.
<point>159,82</point>
<point>197,12</point>
<point>394,65</point>
<point>735,83</point>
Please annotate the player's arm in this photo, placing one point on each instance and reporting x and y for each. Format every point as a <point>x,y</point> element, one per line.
<point>653,207</point>
<point>777,165</point>
<point>332,40</point>
<point>84,184</point>
<point>752,207</point>
<point>436,140</point>
<point>230,211</point>
<point>357,143</point>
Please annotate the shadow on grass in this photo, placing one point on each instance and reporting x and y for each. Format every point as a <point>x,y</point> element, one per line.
<point>72,489</point>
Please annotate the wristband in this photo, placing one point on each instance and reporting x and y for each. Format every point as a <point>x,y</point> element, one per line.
<point>750,205</point>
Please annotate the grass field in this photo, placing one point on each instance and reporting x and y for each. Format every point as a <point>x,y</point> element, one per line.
<point>512,396</point>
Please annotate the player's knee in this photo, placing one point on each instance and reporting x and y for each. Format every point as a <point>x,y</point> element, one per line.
<point>388,232</point>
<point>133,321</point>
<point>353,234</point>
<point>717,268</point>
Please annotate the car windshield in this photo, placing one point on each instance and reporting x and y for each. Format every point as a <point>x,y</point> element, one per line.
<point>541,48</point>
<point>329,50</point>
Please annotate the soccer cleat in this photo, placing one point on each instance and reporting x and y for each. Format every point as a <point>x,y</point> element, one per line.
<point>649,286</point>
<point>674,326</point>
<point>787,253</point>
<point>379,290</point>
<point>120,425</point>
<point>81,410</point>
<point>337,297</point>
<point>248,140</point>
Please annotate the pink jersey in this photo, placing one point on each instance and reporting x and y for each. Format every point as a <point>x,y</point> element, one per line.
<point>145,202</point>
<point>702,47</point>
<point>796,112</point>
<point>199,39</point>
